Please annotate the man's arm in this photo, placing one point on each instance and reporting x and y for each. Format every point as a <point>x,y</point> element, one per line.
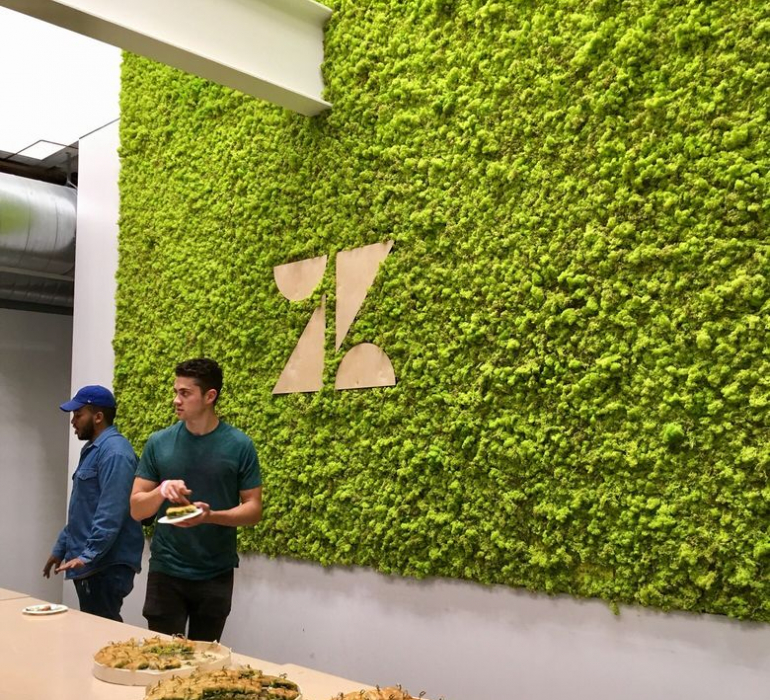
<point>248,512</point>
<point>60,548</point>
<point>57,553</point>
<point>53,561</point>
<point>146,498</point>
<point>115,474</point>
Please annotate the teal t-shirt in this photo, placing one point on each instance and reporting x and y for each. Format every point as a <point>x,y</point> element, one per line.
<point>216,467</point>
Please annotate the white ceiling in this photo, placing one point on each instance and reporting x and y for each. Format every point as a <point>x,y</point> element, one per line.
<point>55,85</point>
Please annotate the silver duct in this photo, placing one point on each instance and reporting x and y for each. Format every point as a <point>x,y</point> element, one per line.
<point>37,242</point>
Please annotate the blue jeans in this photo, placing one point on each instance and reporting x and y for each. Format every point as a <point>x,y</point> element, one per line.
<point>102,593</point>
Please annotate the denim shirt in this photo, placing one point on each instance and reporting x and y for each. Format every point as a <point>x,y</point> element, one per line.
<point>99,529</point>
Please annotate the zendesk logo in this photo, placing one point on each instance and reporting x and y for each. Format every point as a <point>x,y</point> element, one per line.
<point>364,365</point>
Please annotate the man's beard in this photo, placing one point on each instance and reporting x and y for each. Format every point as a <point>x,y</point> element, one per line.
<point>87,431</point>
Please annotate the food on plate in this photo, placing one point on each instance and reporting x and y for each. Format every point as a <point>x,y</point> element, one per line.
<point>225,684</point>
<point>151,653</point>
<point>180,511</point>
<point>146,661</point>
<point>45,609</point>
<point>388,693</point>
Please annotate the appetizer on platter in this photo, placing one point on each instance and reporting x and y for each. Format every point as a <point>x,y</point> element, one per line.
<point>226,684</point>
<point>145,661</point>
<point>153,653</point>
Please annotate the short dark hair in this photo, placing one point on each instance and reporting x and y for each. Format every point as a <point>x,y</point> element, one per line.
<point>206,373</point>
<point>107,411</point>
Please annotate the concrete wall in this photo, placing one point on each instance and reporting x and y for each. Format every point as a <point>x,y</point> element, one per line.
<point>35,359</point>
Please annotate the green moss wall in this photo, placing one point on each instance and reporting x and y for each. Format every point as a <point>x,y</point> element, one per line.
<point>576,304</point>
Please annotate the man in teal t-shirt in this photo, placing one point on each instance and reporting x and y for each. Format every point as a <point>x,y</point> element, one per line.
<point>207,463</point>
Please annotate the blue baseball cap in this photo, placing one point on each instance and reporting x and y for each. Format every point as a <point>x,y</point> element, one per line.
<point>92,395</point>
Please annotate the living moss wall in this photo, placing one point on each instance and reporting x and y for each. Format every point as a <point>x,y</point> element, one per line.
<point>576,304</point>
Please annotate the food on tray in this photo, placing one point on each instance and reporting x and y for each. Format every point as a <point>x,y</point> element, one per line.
<point>389,693</point>
<point>226,684</point>
<point>151,653</point>
<point>152,659</point>
<point>180,511</point>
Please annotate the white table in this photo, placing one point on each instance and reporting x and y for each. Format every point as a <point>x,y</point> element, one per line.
<point>8,594</point>
<point>51,657</point>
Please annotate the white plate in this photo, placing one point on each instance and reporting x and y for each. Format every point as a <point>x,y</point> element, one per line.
<point>165,521</point>
<point>47,609</point>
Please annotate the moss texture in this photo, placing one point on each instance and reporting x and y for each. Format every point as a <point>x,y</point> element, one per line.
<point>576,305</point>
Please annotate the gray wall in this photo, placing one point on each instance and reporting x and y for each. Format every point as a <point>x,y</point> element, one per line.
<point>35,359</point>
<point>465,641</point>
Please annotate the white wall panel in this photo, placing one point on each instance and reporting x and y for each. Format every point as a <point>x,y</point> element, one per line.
<point>271,49</point>
<point>96,263</point>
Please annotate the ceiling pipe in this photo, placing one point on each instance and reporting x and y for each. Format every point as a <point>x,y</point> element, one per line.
<point>37,242</point>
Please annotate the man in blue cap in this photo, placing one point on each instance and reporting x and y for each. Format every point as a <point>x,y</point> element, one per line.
<point>100,547</point>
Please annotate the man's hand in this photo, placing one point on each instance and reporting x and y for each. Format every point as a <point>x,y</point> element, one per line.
<point>52,561</point>
<point>176,491</point>
<point>198,519</point>
<point>71,564</point>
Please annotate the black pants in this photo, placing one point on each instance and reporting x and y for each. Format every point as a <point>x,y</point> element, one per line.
<point>172,601</point>
<point>102,593</point>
